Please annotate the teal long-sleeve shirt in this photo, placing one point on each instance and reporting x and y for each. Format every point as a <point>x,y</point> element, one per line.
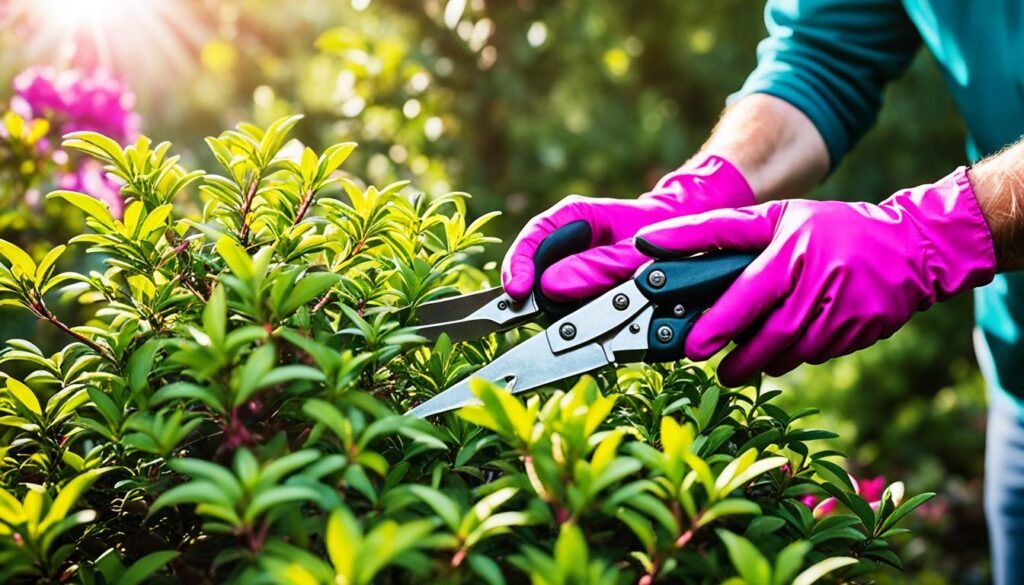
<point>832,60</point>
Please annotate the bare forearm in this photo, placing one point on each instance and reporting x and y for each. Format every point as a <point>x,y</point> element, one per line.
<point>774,145</point>
<point>998,183</point>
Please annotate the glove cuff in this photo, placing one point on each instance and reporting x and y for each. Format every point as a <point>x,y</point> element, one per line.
<point>957,244</point>
<point>708,181</point>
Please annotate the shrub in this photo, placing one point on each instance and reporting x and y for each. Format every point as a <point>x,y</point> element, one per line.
<point>232,410</point>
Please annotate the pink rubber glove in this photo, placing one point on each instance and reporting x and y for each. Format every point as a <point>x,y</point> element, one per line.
<point>834,277</point>
<point>702,185</point>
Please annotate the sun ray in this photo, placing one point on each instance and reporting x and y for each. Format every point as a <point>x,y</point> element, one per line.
<point>148,42</point>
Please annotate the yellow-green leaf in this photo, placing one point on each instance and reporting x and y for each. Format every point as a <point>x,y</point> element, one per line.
<point>92,207</point>
<point>344,539</point>
<point>21,262</point>
<point>235,257</point>
<point>819,570</point>
<point>69,495</point>
<point>24,395</point>
<point>46,265</point>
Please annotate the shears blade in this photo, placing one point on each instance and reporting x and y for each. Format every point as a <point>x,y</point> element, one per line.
<point>474,315</point>
<point>527,366</point>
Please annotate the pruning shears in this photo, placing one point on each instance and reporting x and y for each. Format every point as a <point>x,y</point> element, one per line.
<point>646,318</point>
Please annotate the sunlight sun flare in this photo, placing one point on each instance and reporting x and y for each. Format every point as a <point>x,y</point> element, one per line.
<point>145,40</point>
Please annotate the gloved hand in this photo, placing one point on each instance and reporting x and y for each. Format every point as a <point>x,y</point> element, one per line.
<point>702,185</point>
<point>834,277</point>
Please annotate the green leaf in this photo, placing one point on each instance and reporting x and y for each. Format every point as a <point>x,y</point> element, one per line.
<point>308,288</point>
<point>194,492</point>
<point>833,474</point>
<point>819,570</point>
<point>217,474</point>
<point>45,267</point>
<point>752,472</point>
<point>904,509</point>
<point>293,373</point>
<point>708,404</point>
<point>215,316</point>
<point>24,395</point>
<point>21,262</point>
<point>189,391</point>
<point>789,561</point>
<point>729,507</point>
<point>92,207</point>
<point>441,504</point>
<point>106,406</point>
<point>235,257</point>
<point>99,146</point>
<point>140,364</point>
<point>277,496</point>
<point>69,495</point>
<point>485,568</point>
<point>344,538</point>
<point>746,559</point>
<point>142,569</point>
<point>155,220</point>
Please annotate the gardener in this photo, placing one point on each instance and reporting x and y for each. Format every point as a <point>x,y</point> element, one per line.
<point>836,277</point>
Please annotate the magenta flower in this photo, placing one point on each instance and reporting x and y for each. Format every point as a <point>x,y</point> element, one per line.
<point>73,101</point>
<point>76,100</point>
<point>869,489</point>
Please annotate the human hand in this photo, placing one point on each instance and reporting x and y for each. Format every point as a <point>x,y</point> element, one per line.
<point>611,258</point>
<point>834,277</point>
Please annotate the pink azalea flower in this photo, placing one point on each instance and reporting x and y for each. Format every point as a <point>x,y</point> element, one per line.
<point>76,100</point>
<point>869,489</point>
<point>826,507</point>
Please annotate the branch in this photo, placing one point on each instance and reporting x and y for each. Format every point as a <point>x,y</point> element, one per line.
<point>49,316</point>
<point>243,233</point>
<point>306,202</point>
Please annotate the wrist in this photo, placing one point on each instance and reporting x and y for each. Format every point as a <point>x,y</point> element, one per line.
<point>999,192</point>
<point>708,182</point>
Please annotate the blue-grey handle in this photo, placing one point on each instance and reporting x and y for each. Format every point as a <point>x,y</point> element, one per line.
<point>681,290</point>
<point>571,238</point>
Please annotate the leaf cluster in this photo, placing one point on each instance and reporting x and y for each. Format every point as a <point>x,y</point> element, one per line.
<point>233,410</point>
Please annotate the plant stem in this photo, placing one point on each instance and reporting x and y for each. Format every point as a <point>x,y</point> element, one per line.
<point>320,304</point>
<point>307,200</point>
<point>46,314</point>
<point>243,233</point>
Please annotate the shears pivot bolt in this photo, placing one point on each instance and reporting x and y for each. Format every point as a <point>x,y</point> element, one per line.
<point>656,279</point>
<point>620,302</point>
<point>664,334</point>
<point>502,305</point>
<point>634,328</point>
<point>678,310</point>
<point>567,331</point>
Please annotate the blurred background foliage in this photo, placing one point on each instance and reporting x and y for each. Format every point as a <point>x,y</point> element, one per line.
<point>522,102</point>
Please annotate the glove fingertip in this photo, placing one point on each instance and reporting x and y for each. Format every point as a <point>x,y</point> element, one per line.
<point>703,342</point>
<point>734,371</point>
<point>517,286</point>
<point>701,350</point>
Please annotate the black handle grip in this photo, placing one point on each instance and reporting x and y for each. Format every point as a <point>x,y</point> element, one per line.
<point>682,290</point>
<point>571,238</point>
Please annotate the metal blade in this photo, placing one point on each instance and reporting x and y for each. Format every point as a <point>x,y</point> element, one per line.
<point>474,315</point>
<point>463,330</point>
<point>457,307</point>
<point>529,365</point>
